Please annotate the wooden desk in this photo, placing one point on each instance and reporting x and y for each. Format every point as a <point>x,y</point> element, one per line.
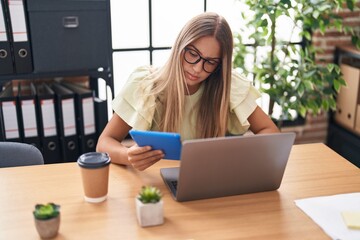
<point>313,170</point>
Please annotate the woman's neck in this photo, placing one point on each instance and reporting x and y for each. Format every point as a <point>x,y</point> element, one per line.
<point>190,90</point>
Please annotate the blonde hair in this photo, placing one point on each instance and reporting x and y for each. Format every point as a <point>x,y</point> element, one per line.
<point>167,83</point>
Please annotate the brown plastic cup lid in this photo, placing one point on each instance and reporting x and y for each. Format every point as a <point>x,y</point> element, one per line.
<point>94,160</point>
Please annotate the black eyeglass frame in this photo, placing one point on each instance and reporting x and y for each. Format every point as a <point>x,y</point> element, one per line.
<point>217,60</point>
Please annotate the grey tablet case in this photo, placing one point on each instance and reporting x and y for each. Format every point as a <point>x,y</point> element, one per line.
<point>169,143</point>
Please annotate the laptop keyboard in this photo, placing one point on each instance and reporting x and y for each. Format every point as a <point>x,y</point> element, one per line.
<point>174,184</point>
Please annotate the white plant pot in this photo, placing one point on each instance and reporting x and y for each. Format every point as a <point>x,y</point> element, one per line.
<point>48,228</point>
<point>149,214</point>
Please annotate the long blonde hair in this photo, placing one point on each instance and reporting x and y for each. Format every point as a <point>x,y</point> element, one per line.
<point>167,83</point>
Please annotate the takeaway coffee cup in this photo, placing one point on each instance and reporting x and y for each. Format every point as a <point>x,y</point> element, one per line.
<point>94,167</point>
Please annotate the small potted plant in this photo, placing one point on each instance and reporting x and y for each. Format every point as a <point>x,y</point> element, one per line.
<point>47,219</point>
<point>149,207</point>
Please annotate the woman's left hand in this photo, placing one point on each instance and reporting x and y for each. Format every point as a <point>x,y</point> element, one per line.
<point>143,157</point>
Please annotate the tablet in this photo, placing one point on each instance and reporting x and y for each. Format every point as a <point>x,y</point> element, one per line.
<point>169,143</point>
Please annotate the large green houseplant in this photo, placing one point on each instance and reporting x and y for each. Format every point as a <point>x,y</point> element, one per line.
<point>289,73</point>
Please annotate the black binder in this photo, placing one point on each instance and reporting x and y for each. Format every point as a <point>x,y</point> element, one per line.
<point>28,115</point>
<point>85,115</point>
<point>65,111</point>
<point>15,15</point>
<point>2,127</point>
<point>9,114</point>
<point>101,114</point>
<point>48,130</point>
<point>6,61</point>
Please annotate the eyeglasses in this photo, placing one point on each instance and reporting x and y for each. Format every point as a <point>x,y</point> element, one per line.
<point>209,65</point>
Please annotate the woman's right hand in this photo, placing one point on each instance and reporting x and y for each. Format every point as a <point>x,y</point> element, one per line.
<point>143,157</point>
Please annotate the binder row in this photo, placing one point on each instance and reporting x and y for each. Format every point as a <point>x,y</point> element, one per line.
<point>63,120</point>
<point>15,51</point>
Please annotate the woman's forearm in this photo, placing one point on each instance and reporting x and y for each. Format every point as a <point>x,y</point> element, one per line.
<point>116,150</point>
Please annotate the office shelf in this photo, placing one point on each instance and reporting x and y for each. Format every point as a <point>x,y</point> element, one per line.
<point>68,39</point>
<point>343,131</point>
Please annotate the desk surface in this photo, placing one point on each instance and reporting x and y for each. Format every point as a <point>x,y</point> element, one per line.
<point>312,170</point>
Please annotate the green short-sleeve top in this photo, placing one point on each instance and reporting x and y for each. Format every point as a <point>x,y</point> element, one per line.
<point>142,115</point>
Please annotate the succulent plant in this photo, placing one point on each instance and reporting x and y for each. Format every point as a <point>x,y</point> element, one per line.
<point>46,211</point>
<point>149,194</point>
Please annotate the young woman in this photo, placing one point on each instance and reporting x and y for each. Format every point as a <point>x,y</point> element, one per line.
<point>195,93</point>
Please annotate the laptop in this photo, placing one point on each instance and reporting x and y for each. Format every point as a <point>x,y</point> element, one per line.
<point>227,166</point>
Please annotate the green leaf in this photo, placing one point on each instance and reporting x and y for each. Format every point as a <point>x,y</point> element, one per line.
<point>323,8</point>
<point>332,103</point>
<point>325,105</point>
<point>46,211</point>
<point>322,27</point>
<point>310,73</point>
<point>339,25</point>
<point>264,23</point>
<point>308,85</point>
<point>149,194</point>
<point>307,35</point>
<point>308,10</point>
<point>301,90</point>
<point>330,67</point>
<point>350,4</point>
<point>302,111</point>
<point>316,14</point>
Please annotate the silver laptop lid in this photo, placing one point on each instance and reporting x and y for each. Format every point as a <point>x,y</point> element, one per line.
<point>218,167</point>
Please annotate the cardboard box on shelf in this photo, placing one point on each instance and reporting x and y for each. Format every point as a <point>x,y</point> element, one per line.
<point>347,99</point>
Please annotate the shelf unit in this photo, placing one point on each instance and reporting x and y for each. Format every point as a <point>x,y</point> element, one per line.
<point>68,39</point>
<point>94,75</point>
<point>343,132</point>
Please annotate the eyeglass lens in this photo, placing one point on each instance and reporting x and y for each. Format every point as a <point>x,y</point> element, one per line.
<point>209,65</point>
